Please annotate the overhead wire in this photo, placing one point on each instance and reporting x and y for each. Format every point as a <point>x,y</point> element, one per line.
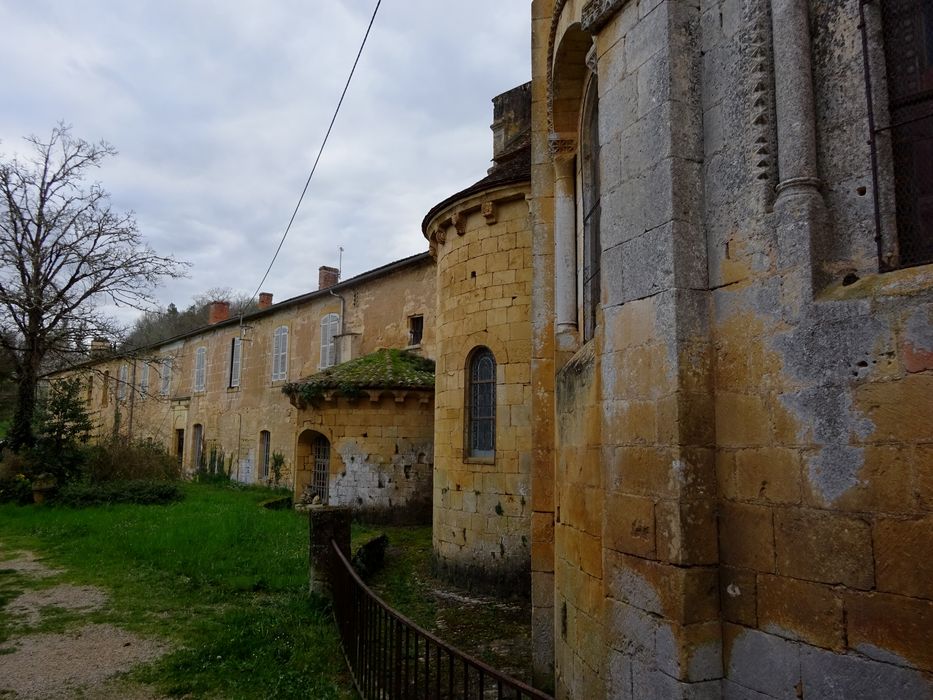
<point>320,152</point>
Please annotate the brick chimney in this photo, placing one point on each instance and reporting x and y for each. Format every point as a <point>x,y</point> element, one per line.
<point>265,300</point>
<point>218,311</point>
<point>327,277</point>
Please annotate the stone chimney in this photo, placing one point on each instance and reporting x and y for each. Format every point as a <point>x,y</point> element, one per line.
<point>218,311</point>
<point>99,346</point>
<point>327,277</point>
<point>265,300</point>
<point>511,120</point>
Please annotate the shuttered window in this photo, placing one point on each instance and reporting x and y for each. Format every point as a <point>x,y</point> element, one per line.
<point>330,327</point>
<point>200,369</point>
<point>280,353</point>
<point>236,348</point>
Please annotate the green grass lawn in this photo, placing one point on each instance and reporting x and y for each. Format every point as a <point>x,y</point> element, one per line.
<point>222,579</point>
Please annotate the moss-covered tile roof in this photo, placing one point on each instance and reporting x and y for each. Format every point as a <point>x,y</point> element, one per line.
<point>383,369</point>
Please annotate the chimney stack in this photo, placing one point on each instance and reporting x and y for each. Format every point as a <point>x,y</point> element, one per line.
<point>99,346</point>
<point>218,311</point>
<point>265,300</point>
<point>511,123</point>
<point>327,277</point>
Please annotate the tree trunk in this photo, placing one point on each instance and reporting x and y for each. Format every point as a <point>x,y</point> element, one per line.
<point>21,435</point>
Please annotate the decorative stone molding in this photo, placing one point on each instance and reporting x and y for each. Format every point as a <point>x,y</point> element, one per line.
<point>799,184</point>
<point>490,212</point>
<point>596,13</point>
<point>440,234</point>
<point>562,146</point>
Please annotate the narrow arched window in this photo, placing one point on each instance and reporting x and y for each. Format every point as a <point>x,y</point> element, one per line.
<point>481,404</point>
<point>589,177</point>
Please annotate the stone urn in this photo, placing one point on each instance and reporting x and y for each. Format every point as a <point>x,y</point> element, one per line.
<point>42,487</point>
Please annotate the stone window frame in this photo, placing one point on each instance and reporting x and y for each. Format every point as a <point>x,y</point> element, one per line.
<point>473,421</point>
<point>200,368</point>
<point>280,353</point>
<point>330,329</point>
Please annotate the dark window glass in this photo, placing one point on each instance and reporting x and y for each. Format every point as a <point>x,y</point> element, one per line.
<point>415,329</point>
<point>481,432</point>
<point>908,38</point>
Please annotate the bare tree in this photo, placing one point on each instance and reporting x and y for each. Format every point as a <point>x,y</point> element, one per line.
<point>63,253</point>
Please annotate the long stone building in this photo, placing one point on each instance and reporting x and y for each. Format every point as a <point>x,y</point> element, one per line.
<point>218,394</point>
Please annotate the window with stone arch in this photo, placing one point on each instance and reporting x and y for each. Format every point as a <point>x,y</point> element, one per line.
<point>588,207</point>
<point>481,404</point>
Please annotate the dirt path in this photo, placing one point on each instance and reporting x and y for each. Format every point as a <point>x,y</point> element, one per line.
<point>84,661</point>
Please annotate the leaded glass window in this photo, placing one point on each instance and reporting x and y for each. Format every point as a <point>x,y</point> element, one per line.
<point>481,411</point>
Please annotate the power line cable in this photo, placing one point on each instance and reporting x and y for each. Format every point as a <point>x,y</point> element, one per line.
<point>319,154</point>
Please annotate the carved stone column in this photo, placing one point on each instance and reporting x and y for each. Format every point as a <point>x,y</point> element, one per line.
<point>800,209</point>
<point>565,240</point>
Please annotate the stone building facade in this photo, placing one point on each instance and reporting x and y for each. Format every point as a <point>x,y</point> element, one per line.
<point>481,239</point>
<point>732,348</point>
<point>219,390</point>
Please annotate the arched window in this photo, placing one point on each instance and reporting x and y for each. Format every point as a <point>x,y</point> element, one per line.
<point>588,164</point>
<point>481,404</point>
<point>330,328</point>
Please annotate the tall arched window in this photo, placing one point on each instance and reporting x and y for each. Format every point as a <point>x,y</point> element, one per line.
<point>481,404</point>
<point>588,164</point>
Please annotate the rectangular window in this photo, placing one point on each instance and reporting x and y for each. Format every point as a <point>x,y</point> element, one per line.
<point>200,368</point>
<point>280,353</point>
<point>197,455</point>
<point>908,43</point>
<point>236,348</point>
<point>265,454</point>
<point>144,379</point>
<point>330,328</point>
<point>415,330</point>
<point>121,388</point>
<point>166,380</point>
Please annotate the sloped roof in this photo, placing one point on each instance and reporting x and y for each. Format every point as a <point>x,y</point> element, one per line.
<point>388,368</point>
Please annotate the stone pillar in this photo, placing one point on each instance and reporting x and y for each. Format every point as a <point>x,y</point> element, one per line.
<point>326,524</point>
<point>565,239</point>
<point>801,212</point>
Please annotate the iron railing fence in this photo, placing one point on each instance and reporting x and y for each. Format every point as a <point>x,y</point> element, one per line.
<point>392,658</point>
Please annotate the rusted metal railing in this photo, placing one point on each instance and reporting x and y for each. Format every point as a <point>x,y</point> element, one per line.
<point>390,657</point>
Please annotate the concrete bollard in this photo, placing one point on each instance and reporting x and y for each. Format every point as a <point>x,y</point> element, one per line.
<point>326,524</point>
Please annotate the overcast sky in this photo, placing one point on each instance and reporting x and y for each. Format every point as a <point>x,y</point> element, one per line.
<point>217,109</point>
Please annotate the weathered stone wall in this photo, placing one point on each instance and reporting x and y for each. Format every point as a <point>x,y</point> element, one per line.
<point>482,508</point>
<point>761,393</point>
<point>376,312</point>
<point>381,454</point>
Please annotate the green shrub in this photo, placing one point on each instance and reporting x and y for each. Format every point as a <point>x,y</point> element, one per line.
<point>140,492</point>
<point>15,486</point>
<point>118,460</point>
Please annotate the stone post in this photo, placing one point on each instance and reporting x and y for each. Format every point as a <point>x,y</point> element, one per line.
<point>326,524</point>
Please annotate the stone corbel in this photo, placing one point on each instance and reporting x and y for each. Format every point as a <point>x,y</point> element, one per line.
<point>458,221</point>
<point>374,395</point>
<point>596,13</point>
<point>490,212</point>
<point>400,396</point>
<point>440,234</point>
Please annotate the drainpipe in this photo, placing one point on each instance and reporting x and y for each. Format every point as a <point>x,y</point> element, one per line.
<point>343,308</point>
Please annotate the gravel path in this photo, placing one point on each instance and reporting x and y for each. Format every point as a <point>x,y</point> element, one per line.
<point>82,662</point>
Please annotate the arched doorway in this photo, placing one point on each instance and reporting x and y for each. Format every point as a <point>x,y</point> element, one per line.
<point>313,465</point>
